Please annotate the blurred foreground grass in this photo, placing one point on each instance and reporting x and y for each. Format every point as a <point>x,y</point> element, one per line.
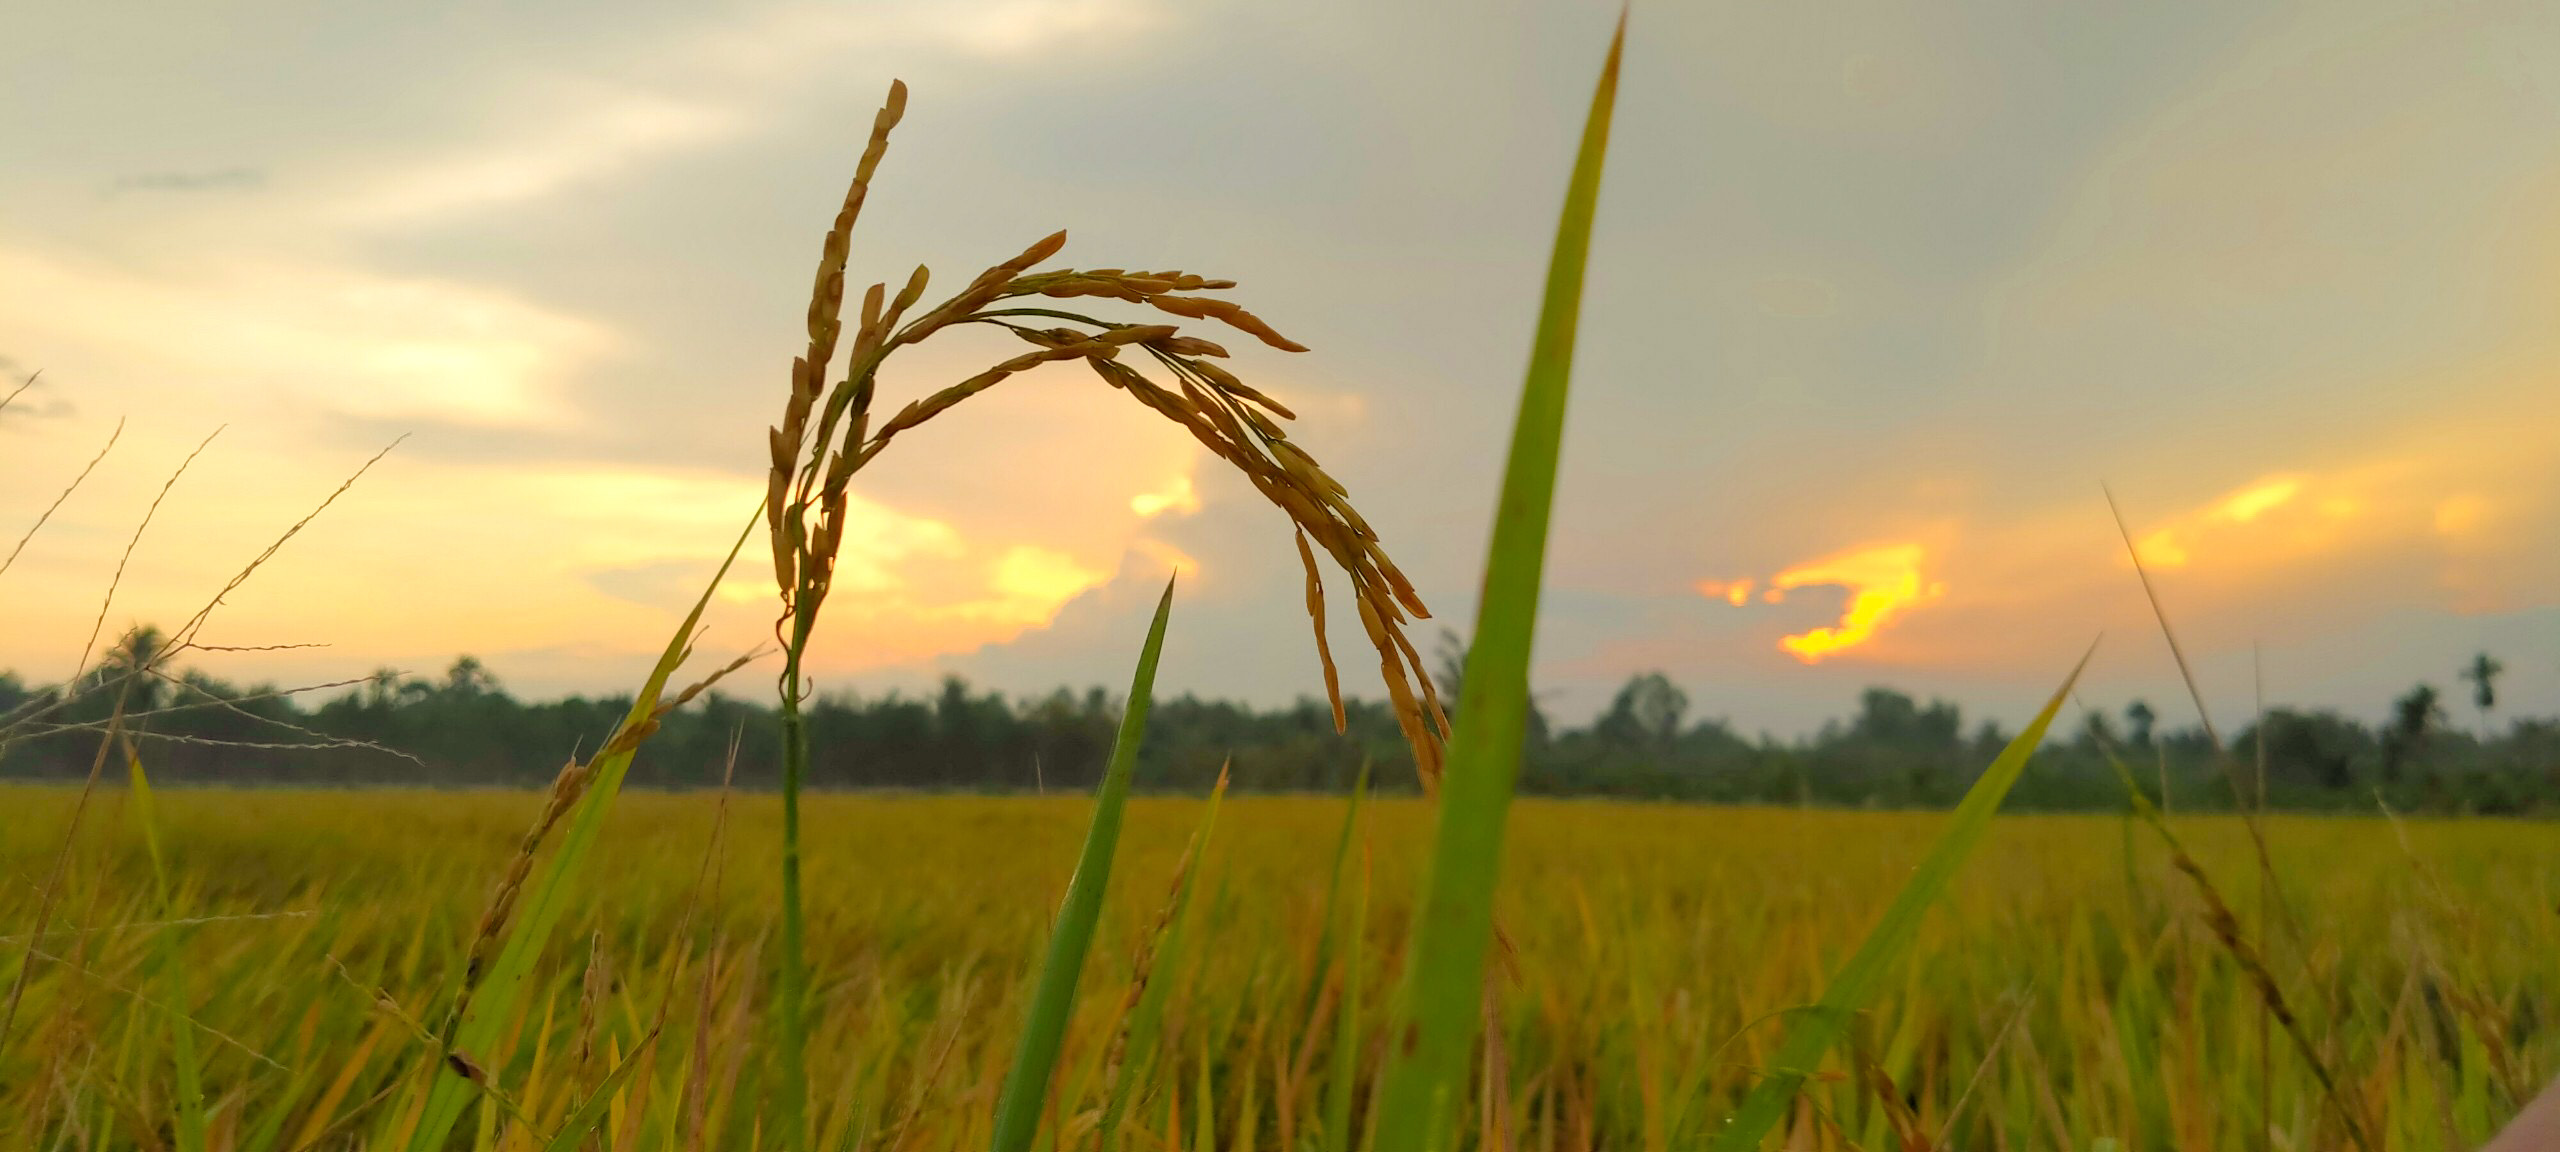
<point>2066,993</point>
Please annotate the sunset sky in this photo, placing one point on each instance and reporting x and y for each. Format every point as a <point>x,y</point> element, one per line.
<point>1881,296</point>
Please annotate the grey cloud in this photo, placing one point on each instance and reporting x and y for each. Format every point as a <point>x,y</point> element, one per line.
<point>28,398</point>
<point>234,179</point>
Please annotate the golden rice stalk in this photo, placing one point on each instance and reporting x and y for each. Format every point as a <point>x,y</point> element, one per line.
<point>1315,612</point>
<point>813,467</point>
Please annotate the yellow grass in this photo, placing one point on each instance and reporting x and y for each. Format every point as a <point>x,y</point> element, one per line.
<point>1653,943</point>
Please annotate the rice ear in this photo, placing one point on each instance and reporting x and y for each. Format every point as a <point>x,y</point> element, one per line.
<point>1324,649</point>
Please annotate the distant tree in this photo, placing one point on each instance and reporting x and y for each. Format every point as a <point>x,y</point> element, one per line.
<point>1645,714</point>
<point>137,649</point>
<point>2483,672</point>
<point>469,678</point>
<point>462,727</point>
<point>1988,740</point>
<point>1887,717</point>
<point>2138,719</point>
<point>2096,732</point>
<point>2413,722</point>
<point>379,690</point>
<point>2311,748</point>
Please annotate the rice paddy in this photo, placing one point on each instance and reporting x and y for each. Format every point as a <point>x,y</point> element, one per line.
<point>2064,993</point>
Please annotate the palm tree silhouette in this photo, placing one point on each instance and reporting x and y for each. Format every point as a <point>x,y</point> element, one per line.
<point>2139,718</point>
<point>2483,672</point>
<point>137,654</point>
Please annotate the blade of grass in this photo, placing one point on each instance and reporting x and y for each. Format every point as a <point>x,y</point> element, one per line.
<point>574,1130</point>
<point>1332,893</point>
<point>2249,815</point>
<point>1345,1066</point>
<point>1146,1018</point>
<point>547,897</point>
<point>65,494</point>
<point>53,883</point>
<point>1438,1006</point>
<point>2225,926</point>
<point>188,1082</point>
<point>1813,1033</point>
<point>1035,1056</point>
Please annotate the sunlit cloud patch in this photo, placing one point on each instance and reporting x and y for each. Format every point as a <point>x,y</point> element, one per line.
<point>1883,582</point>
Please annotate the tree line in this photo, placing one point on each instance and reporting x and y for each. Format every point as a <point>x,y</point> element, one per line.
<point>465,729</point>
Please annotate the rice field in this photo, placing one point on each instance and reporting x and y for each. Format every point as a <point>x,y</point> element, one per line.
<point>2066,993</point>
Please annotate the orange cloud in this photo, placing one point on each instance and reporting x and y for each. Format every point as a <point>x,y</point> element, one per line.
<point>1883,580</point>
<point>2279,521</point>
<point>2171,546</point>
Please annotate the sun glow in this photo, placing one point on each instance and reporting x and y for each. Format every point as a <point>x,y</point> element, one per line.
<point>1032,583</point>
<point>1734,592</point>
<point>1177,495</point>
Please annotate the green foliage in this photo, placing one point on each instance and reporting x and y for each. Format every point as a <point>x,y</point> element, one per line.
<point>546,898</point>
<point>1142,1033</point>
<point>1812,1034</point>
<point>1434,1024</point>
<point>1035,1056</point>
<point>187,1086</point>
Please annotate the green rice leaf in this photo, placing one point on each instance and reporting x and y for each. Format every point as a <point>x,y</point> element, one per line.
<point>1035,1056</point>
<point>547,895</point>
<point>1344,1065</point>
<point>1441,1000</point>
<point>171,971</point>
<point>599,1103</point>
<point>1325,941</point>
<point>1146,1018</point>
<point>1813,1032</point>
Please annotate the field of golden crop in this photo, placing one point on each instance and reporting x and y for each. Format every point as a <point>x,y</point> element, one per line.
<point>2068,993</point>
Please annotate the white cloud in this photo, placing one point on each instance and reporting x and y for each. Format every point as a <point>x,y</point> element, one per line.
<point>329,339</point>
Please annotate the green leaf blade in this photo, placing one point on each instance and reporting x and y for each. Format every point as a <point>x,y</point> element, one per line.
<point>1146,1019</point>
<point>547,897</point>
<point>1817,1029</point>
<point>1044,1031</point>
<point>1439,1002</point>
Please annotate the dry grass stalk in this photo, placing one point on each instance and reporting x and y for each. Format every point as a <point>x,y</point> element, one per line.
<point>175,1012</point>
<point>1495,1096</point>
<point>1908,1136</point>
<point>567,788</point>
<point>65,494</point>
<point>2240,795</point>
<point>1981,1070</point>
<point>23,385</point>
<point>460,1063</point>
<point>2225,926</point>
<point>116,581</point>
<point>825,435</point>
<point>62,860</point>
<point>592,985</point>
